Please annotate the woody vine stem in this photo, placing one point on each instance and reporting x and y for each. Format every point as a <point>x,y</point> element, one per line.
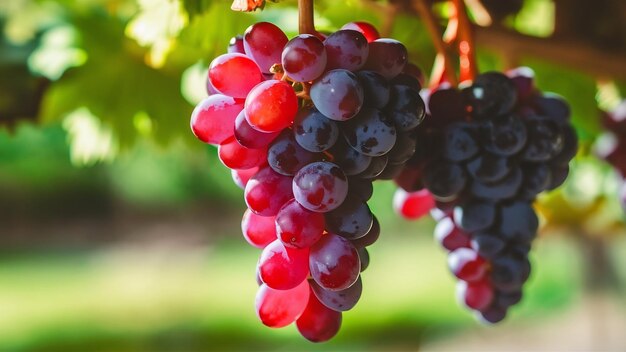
<point>305,17</point>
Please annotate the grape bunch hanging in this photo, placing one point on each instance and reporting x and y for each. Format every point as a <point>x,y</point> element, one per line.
<point>306,125</point>
<point>492,147</point>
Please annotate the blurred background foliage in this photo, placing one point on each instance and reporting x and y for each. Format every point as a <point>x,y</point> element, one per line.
<point>120,230</point>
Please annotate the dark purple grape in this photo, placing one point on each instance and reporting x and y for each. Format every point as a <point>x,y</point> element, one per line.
<point>488,168</point>
<point>493,314</point>
<point>351,162</point>
<point>536,180</point>
<point>446,105</point>
<point>334,263</point>
<point>250,137</point>
<point>406,107</point>
<point>286,156</point>
<point>387,57</point>
<point>413,71</point>
<point>459,142</point>
<point>304,58</point>
<point>314,131</point>
<point>503,189</point>
<point>375,87</point>
<point>553,107</point>
<point>558,174</point>
<point>376,167</point>
<point>360,188</point>
<point>347,49</point>
<point>370,237</point>
<point>544,140</point>
<point>508,299</point>
<point>339,301</point>
<point>508,273</point>
<point>364,256</point>
<point>444,179</point>
<point>491,95</point>
<point>505,136</point>
<point>338,95</point>
<point>320,186</point>
<point>403,149</point>
<point>570,145</point>
<point>351,220</point>
<point>370,133</point>
<point>475,216</point>
<point>487,245</point>
<point>523,79</point>
<point>518,222</point>
<point>404,79</point>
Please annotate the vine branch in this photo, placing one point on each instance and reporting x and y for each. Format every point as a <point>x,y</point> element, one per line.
<point>466,45</point>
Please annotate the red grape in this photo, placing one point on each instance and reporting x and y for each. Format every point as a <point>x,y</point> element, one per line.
<point>346,49</point>
<point>387,57</point>
<point>258,230</point>
<point>283,268</point>
<point>467,265</point>
<point>241,177</point>
<point>248,136</point>
<point>318,323</point>
<point>213,118</point>
<point>271,106</point>
<point>477,295</point>
<point>304,58</point>
<point>334,263</point>
<point>234,74</point>
<point>297,226</point>
<point>235,156</point>
<point>450,236</point>
<point>369,31</point>
<point>279,308</point>
<point>267,191</point>
<point>413,205</point>
<point>263,43</point>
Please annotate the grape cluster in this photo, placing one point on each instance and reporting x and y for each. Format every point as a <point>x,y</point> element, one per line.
<point>611,146</point>
<point>492,147</point>
<point>306,125</point>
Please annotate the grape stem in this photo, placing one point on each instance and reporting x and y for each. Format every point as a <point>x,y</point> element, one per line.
<point>467,50</point>
<point>305,17</point>
<point>432,27</point>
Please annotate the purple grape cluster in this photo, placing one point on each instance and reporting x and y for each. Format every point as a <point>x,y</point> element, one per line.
<point>492,147</point>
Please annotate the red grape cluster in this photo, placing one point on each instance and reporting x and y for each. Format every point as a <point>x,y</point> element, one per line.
<point>485,152</point>
<point>306,125</point>
<point>611,146</point>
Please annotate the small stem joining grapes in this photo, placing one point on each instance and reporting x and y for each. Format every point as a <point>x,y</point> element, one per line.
<point>467,50</point>
<point>305,17</point>
<point>435,33</point>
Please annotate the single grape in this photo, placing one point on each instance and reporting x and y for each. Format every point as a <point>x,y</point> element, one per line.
<point>213,118</point>
<point>250,137</point>
<point>508,299</point>
<point>476,295</point>
<point>264,43</point>
<point>459,142</point>
<point>304,58</point>
<point>376,166</point>
<point>267,191</point>
<point>286,156</point>
<point>235,156</point>
<point>467,265</point>
<point>283,268</point>
<point>235,45</point>
<point>492,94</point>
<point>449,236</point>
<point>370,133</point>
<point>405,107</point>
<point>544,140</point>
<point>487,167</point>
<point>376,89</point>
<point>271,106</point>
<point>505,136</point>
<point>518,222</point>
<point>318,323</point>
<point>352,219</point>
<point>413,205</point>
<point>487,245</point>
<point>387,57</point>
<point>446,105</point>
<point>570,145</point>
<point>368,30</point>
<point>410,179</point>
<point>444,179</point>
<point>279,308</point>
<point>234,74</point>
<point>258,230</point>
<point>503,189</point>
<point>339,301</point>
<point>523,78</point>
<point>537,178</point>
<point>347,49</point>
<point>241,177</point>
<point>351,161</point>
<point>334,263</point>
<point>370,237</point>
<point>553,107</point>
<point>337,94</point>
<point>492,315</point>
<point>508,273</point>
<point>297,226</point>
<point>475,216</point>
<point>360,189</point>
<point>314,132</point>
<point>364,256</point>
<point>320,186</point>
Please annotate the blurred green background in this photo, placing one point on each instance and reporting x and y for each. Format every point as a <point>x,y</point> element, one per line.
<point>119,231</point>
